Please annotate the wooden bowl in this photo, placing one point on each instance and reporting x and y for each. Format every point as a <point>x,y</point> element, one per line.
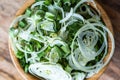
<point>27,76</point>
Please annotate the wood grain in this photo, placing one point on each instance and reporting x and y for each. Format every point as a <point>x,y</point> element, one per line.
<point>7,12</point>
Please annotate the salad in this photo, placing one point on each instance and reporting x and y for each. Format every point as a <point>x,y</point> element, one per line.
<point>61,39</point>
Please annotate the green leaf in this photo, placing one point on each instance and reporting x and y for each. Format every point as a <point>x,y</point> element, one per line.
<point>19,55</point>
<point>40,55</point>
<point>47,50</point>
<point>22,62</point>
<point>40,13</point>
<point>66,49</point>
<point>73,1</point>
<point>49,16</point>
<point>12,29</point>
<point>38,45</point>
<point>26,68</point>
<point>66,1</point>
<point>48,2</point>
<point>44,8</point>
<point>68,69</point>
<point>28,12</point>
<point>59,17</point>
<point>22,23</point>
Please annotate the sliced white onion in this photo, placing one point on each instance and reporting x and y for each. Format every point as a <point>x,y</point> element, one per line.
<point>49,71</point>
<point>40,3</point>
<point>67,16</point>
<point>78,16</point>
<point>99,65</point>
<point>81,2</point>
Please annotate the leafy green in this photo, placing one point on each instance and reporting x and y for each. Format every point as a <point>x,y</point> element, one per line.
<point>66,49</point>
<point>49,16</point>
<point>26,68</point>
<point>22,24</point>
<point>20,55</point>
<point>28,12</point>
<point>68,69</point>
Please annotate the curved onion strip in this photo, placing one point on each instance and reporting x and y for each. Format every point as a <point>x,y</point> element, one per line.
<point>81,2</point>
<point>78,16</point>
<point>98,64</point>
<point>63,29</point>
<point>13,24</point>
<point>40,3</point>
<point>15,21</point>
<point>60,9</point>
<point>67,16</point>
<point>82,45</point>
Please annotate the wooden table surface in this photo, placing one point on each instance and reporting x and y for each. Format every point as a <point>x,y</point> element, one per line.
<point>8,9</point>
